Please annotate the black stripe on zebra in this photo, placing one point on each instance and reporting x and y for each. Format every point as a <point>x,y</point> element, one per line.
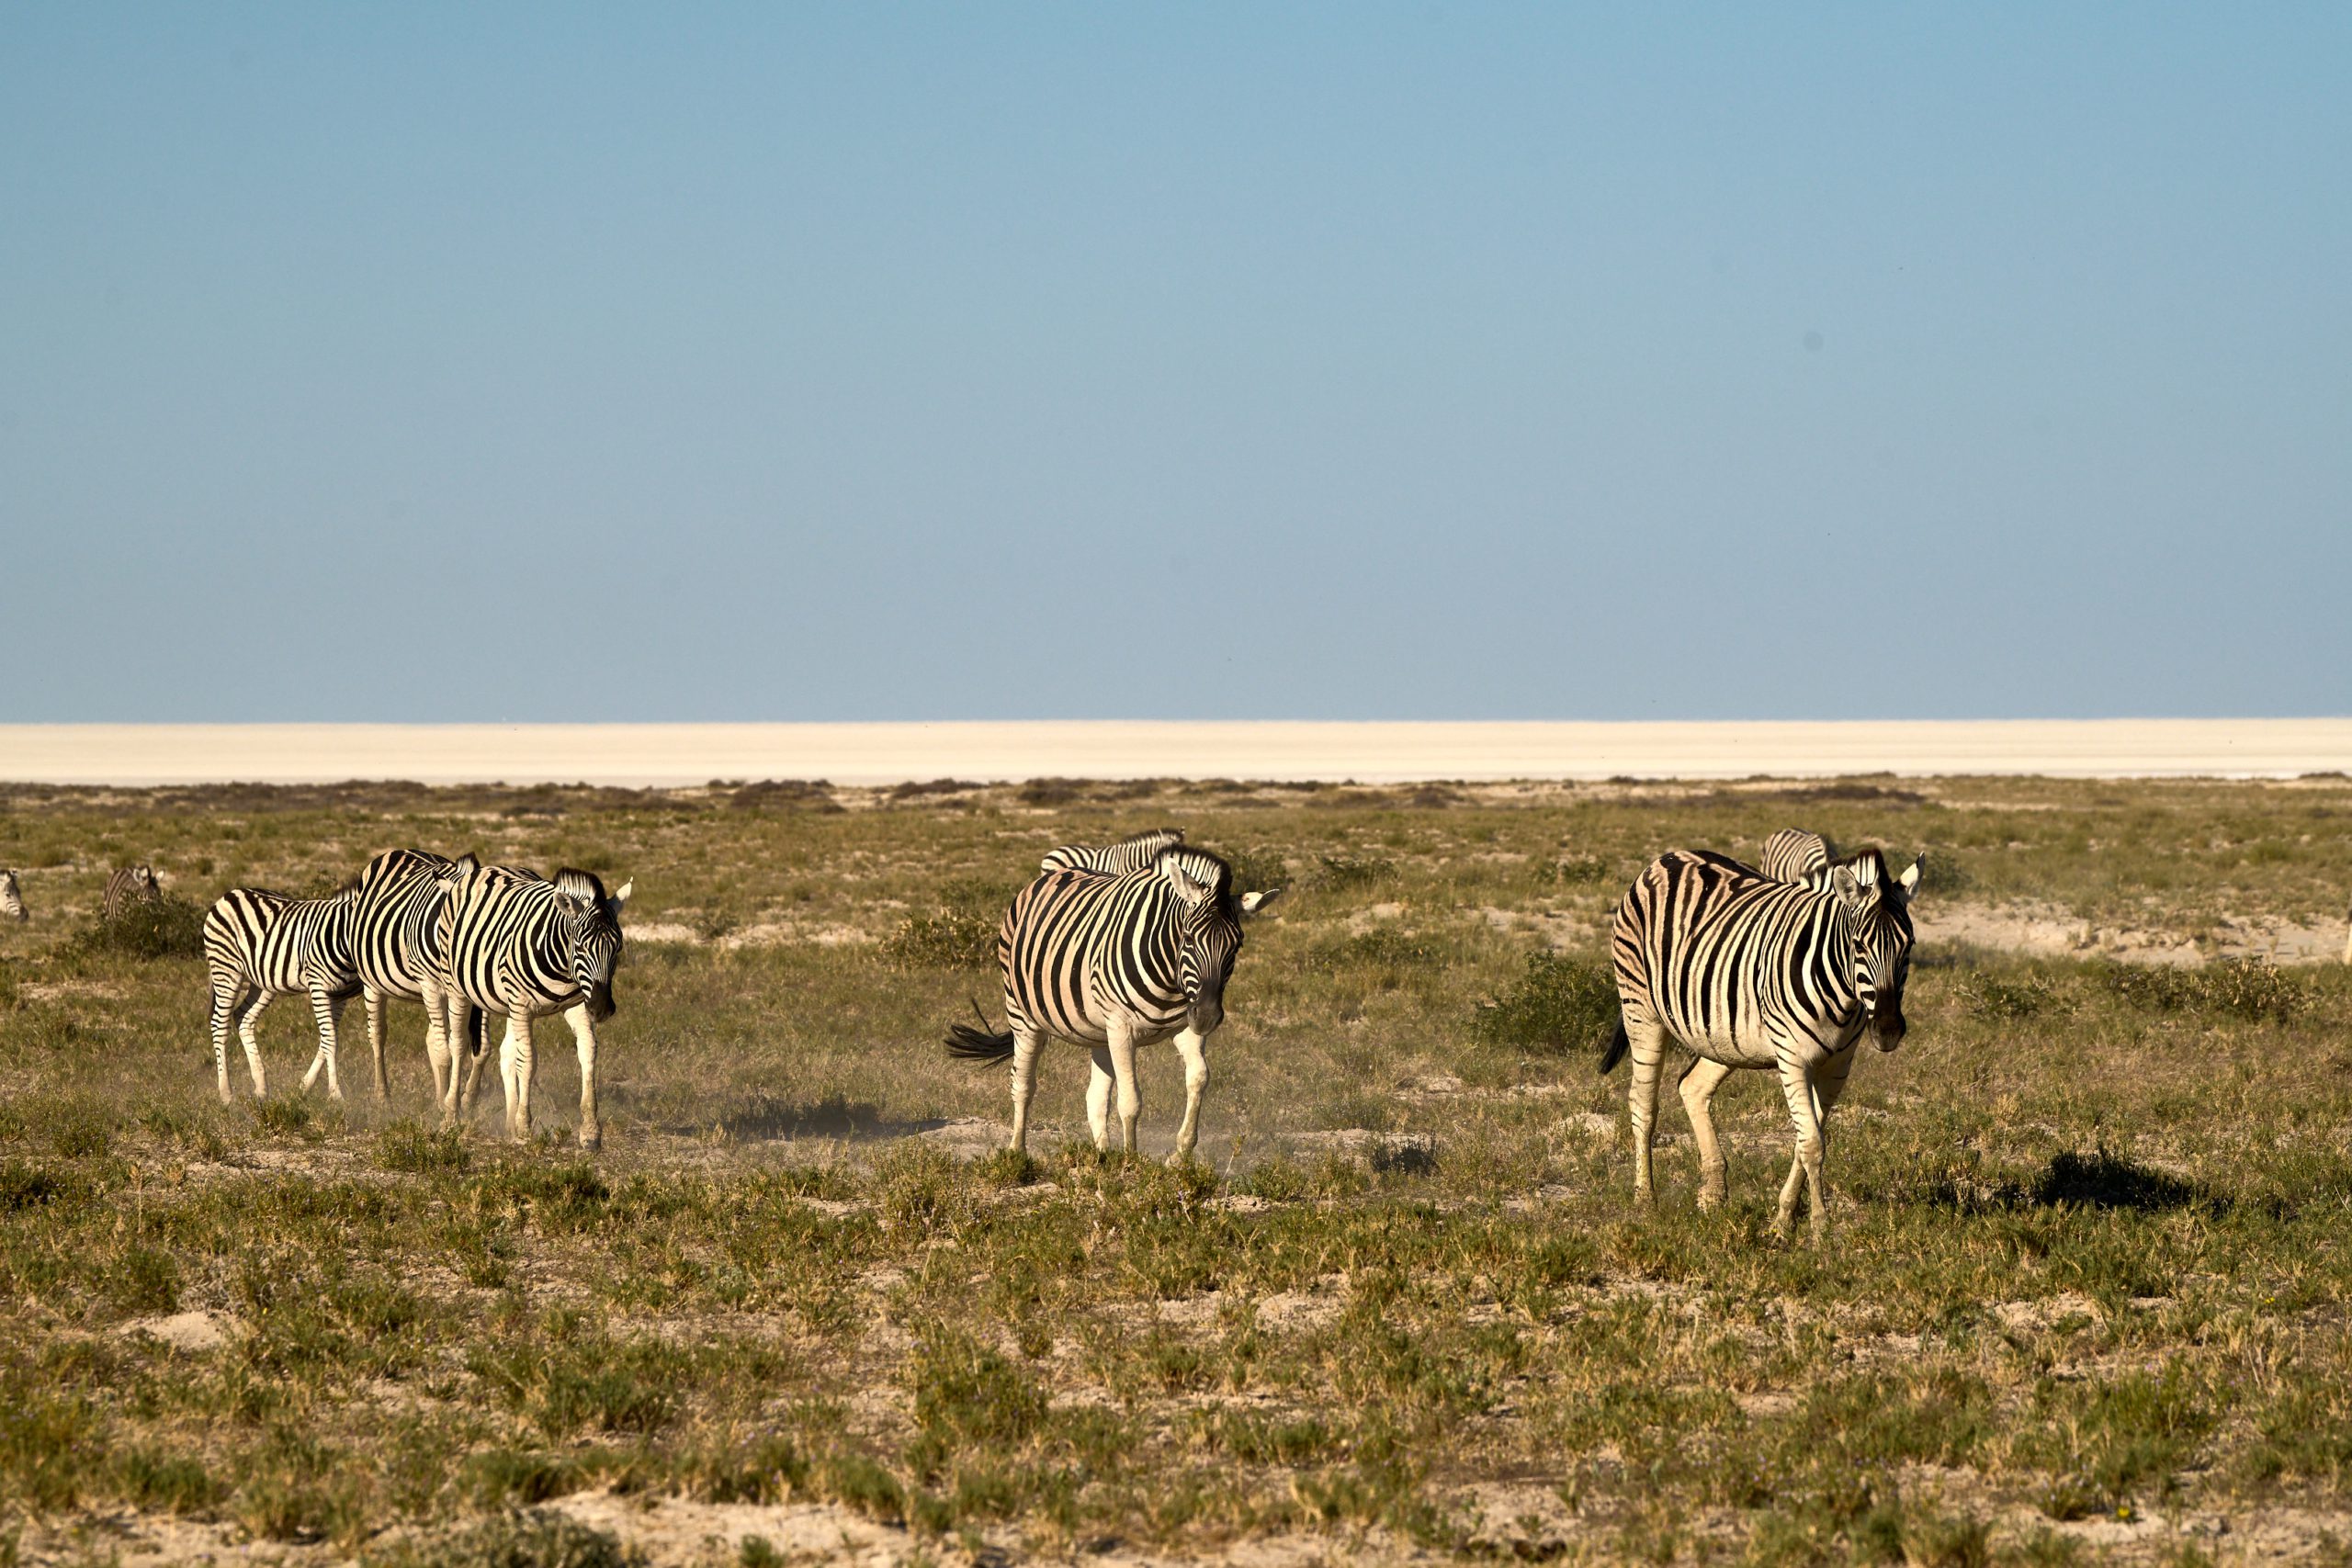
<point>1134,853</point>
<point>129,884</point>
<point>260,945</point>
<point>1117,963</point>
<point>1744,970</point>
<point>523,947</point>
<point>399,953</point>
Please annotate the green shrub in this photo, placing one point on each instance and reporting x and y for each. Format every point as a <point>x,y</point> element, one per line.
<point>1559,1004</point>
<point>1997,1001</point>
<point>409,1146</point>
<point>529,1539</point>
<point>950,940</point>
<point>1338,873</point>
<point>162,926</point>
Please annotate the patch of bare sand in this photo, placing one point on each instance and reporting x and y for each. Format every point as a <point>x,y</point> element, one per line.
<point>2043,930</point>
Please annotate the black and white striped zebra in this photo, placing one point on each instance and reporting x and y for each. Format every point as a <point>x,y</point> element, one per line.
<point>1745,971</point>
<point>522,947</point>
<point>11,897</point>
<point>1134,853</point>
<point>1795,854</point>
<point>1114,962</point>
<point>260,945</point>
<point>130,886</point>
<point>399,954</point>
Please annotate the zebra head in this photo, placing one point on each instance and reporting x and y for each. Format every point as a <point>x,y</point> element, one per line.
<point>142,881</point>
<point>1208,919</point>
<point>12,900</point>
<point>591,924</point>
<point>1878,912</point>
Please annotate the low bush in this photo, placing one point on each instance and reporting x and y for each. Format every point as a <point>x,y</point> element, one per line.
<point>1559,1004</point>
<point>162,926</point>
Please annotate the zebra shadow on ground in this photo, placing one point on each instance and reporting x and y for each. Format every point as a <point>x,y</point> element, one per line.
<point>2071,1178</point>
<point>835,1118</point>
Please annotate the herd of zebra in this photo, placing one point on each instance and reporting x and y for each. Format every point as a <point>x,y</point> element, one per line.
<point>1780,966</point>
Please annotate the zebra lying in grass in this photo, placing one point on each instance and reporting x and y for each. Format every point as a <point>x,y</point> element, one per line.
<point>260,945</point>
<point>400,954</point>
<point>1745,971</point>
<point>1114,962</point>
<point>523,947</point>
<point>12,901</point>
<point>1134,853</point>
<point>129,884</point>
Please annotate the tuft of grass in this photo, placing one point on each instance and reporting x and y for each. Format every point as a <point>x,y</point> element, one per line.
<point>409,1146</point>
<point>1559,1004</point>
<point>950,940</point>
<point>2253,989</point>
<point>1341,872</point>
<point>1997,1001</point>
<point>536,1537</point>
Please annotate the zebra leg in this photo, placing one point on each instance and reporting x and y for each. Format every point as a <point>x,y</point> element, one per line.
<point>1098,1099</point>
<point>1699,1082</point>
<point>1804,1171</point>
<point>375,1003</point>
<point>1026,1046</point>
<point>1194,1049</point>
<point>1646,1043</point>
<point>514,1066</point>
<point>1123,1069</point>
<point>583,1035</point>
<point>468,1054</point>
<point>228,998</point>
<point>438,1004</point>
<point>247,1023</point>
<point>328,1010</point>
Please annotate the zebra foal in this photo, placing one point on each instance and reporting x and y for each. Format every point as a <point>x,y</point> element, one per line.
<point>520,947</point>
<point>1115,962</point>
<point>401,895</point>
<point>1748,972</point>
<point>260,945</point>
<point>129,884</point>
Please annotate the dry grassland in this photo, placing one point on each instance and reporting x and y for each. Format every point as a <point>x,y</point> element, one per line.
<point>2085,1299</point>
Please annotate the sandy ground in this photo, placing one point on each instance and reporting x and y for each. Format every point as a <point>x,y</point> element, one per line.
<point>672,754</point>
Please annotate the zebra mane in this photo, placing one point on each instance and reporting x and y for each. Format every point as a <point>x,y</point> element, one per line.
<point>1198,865</point>
<point>583,885</point>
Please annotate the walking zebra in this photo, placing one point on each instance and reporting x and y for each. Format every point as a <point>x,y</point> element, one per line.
<point>1117,963</point>
<point>131,885</point>
<point>522,947</point>
<point>260,945</point>
<point>1131,853</point>
<point>1748,971</point>
<point>12,901</point>
<point>399,953</point>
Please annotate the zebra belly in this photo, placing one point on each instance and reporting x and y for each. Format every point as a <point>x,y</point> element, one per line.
<point>1753,1042</point>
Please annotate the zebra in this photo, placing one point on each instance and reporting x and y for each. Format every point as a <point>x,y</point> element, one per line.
<point>129,884</point>
<point>515,944</point>
<point>1114,962</point>
<point>1131,853</point>
<point>1793,855</point>
<point>260,945</point>
<point>401,897</point>
<point>1748,971</point>
<point>12,900</point>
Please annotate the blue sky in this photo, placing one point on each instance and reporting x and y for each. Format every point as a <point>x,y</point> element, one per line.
<point>838,362</point>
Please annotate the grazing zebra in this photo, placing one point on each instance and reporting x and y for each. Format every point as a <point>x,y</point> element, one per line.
<point>131,885</point>
<point>1115,962</point>
<point>1131,853</point>
<point>522,947</point>
<point>12,901</point>
<point>1748,971</point>
<point>260,946</point>
<point>400,954</point>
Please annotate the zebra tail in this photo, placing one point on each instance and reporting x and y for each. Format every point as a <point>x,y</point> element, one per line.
<point>1618,1047</point>
<point>969,1045</point>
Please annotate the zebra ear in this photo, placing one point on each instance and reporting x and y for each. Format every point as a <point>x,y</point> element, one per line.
<point>1255,903</point>
<point>1190,889</point>
<point>1847,886</point>
<point>621,897</point>
<point>1909,880</point>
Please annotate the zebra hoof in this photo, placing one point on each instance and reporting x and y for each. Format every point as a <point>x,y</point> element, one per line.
<point>1180,1159</point>
<point>592,1138</point>
<point>1709,1197</point>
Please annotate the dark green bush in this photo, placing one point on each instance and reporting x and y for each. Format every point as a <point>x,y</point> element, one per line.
<point>950,940</point>
<point>1559,1004</point>
<point>162,926</point>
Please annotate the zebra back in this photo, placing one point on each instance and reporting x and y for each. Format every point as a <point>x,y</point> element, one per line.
<point>1134,853</point>
<point>399,932</point>
<point>1795,854</point>
<point>12,901</point>
<point>274,941</point>
<point>129,884</point>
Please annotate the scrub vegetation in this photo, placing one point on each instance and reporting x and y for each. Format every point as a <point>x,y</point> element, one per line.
<point>2085,1297</point>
